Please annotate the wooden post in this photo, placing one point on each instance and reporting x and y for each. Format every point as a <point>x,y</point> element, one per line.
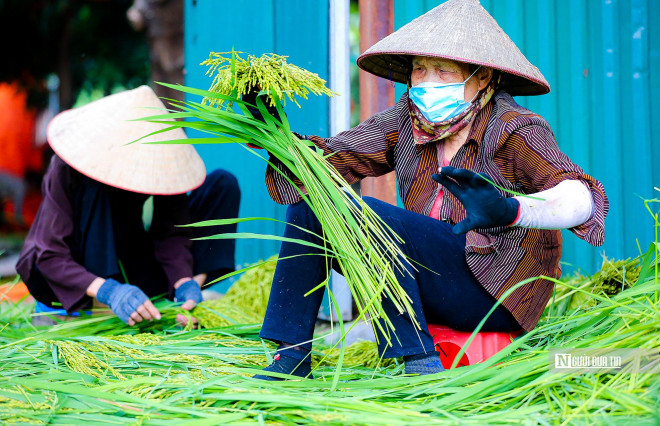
<point>376,93</point>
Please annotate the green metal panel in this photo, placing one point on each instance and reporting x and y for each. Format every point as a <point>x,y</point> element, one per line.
<point>296,28</point>
<point>598,56</point>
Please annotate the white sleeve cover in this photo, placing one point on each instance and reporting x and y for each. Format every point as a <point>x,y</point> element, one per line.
<point>566,205</point>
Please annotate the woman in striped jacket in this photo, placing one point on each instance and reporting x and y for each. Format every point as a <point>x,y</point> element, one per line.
<point>456,125</point>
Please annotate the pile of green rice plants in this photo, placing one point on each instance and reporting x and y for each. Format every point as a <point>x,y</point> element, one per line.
<point>97,370</point>
<point>250,292</point>
<point>614,277</point>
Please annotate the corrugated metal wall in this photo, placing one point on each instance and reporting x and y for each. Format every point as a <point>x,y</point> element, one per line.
<point>599,57</point>
<point>297,28</point>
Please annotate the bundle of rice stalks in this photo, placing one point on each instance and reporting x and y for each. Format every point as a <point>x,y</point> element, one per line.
<point>235,76</point>
<point>362,244</point>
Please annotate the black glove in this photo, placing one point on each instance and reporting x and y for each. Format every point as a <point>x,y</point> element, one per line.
<point>251,98</point>
<point>485,207</point>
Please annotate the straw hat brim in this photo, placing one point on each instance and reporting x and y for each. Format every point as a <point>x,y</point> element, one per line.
<point>459,30</point>
<point>96,140</point>
<point>380,64</point>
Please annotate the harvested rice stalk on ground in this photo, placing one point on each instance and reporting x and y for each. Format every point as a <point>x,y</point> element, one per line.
<point>80,359</point>
<point>362,353</point>
<point>218,313</point>
<point>235,76</point>
<point>250,294</point>
<point>613,277</point>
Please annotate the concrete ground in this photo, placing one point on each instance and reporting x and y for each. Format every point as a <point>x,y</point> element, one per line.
<point>361,331</point>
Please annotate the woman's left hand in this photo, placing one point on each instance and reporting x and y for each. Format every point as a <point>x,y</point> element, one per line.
<point>190,293</point>
<point>485,207</point>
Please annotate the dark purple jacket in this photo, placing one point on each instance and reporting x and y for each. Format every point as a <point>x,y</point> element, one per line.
<point>48,245</point>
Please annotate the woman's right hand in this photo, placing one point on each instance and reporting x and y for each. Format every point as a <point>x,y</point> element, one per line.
<point>251,99</point>
<point>127,301</point>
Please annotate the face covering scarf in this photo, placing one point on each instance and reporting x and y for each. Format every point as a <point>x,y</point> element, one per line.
<point>441,101</point>
<point>425,131</point>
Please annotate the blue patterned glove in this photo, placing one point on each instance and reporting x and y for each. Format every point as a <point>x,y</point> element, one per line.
<point>189,290</point>
<point>123,299</point>
<point>485,207</point>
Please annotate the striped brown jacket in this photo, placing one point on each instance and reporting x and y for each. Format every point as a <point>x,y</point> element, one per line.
<point>515,147</point>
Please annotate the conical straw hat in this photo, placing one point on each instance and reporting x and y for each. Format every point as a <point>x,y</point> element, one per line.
<point>93,140</point>
<point>460,30</point>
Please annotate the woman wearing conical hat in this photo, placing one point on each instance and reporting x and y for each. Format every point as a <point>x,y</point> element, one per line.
<point>455,133</point>
<point>107,228</point>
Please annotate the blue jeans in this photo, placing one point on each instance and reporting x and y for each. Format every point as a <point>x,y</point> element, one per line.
<point>447,294</point>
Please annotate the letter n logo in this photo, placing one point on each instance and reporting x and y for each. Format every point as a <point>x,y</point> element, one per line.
<point>562,360</point>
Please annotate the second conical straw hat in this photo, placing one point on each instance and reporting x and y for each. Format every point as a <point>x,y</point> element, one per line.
<point>95,140</point>
<point>460,30</point>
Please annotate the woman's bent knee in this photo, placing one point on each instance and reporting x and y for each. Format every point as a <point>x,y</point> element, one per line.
<point>223,178</point>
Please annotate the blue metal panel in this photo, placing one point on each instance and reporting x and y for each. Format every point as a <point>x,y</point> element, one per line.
<point>611,96</point>
<point>258,26</point>
<point>598,57</point>
<point>636,137</point>
<point>574,114</point>
<point>653,38</point>
<point>510,14</point>
<point>307,46</point>
<point>541,50</point>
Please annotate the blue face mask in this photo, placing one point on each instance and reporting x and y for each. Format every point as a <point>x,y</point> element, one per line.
<point>439,101</point>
